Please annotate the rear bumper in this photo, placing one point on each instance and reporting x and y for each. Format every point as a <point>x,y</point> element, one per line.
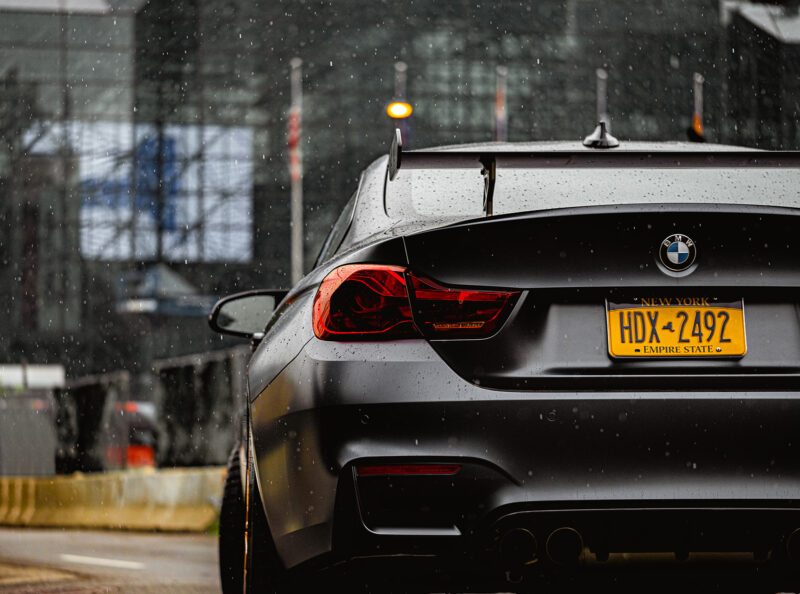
<point>703,471</point>
<point>688,545</point>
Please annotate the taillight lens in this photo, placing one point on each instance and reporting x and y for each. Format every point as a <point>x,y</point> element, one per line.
<point>363,302</point>
<point>442,312</point>
<point>371,302</point>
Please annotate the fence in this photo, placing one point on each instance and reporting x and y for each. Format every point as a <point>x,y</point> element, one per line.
<point>186,414</point>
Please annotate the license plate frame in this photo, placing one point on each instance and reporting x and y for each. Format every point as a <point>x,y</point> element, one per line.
<point>677,336</point>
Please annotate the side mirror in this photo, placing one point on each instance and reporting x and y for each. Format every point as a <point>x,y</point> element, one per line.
<point>245,314</point>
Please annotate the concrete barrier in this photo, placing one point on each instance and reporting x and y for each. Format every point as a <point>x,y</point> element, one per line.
<point>168,500</point>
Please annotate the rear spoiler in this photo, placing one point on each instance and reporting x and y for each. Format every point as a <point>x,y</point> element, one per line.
<point>488,161</point>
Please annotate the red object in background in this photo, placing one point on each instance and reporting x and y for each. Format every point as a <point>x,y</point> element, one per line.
<point>295,163</point>
<point>444,312</point>
<point>139,456</point>
<point>136,456</point>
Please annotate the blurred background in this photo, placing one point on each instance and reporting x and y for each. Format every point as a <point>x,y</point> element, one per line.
<point>144,168</point>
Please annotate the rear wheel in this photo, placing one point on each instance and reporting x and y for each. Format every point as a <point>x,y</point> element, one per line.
<point>231,528</point>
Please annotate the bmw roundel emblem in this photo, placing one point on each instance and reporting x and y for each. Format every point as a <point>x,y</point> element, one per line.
<point>677,252</point>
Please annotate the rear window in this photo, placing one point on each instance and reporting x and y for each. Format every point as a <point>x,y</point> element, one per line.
<point>459,192</point>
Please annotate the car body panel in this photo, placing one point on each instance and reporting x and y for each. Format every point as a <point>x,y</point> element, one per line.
<point>543,423</point>
<point>613,247</point>
<point>337,404</point>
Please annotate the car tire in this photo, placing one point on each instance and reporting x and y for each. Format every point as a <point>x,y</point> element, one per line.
<point>231,528</point>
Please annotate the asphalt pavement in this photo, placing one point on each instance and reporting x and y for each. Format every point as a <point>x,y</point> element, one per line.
<point>78,562</point>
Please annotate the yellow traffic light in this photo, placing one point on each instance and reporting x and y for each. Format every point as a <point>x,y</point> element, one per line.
<point>398,110</point>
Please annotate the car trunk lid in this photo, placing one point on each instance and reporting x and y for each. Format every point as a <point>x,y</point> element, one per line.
<point>568,264</point>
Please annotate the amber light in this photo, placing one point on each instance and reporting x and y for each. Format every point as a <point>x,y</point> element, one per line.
<point>407,469</point>
<point>129,407</point>
<point>697,124</point>
<point>399,110</point>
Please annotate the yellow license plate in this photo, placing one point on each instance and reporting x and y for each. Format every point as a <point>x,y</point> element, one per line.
<point>676,327</point>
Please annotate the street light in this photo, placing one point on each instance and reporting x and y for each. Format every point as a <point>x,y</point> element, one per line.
<point>398,110</point>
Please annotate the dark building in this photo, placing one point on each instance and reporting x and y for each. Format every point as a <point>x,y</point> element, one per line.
<point>764,43</point>
<point>143,168</point>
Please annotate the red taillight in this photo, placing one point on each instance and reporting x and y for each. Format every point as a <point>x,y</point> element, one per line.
<point>442,312</point>
<point>363,302</point>
<point>371,302</point>
<point>407,469</point>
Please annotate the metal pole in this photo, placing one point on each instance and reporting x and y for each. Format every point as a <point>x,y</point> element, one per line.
<point>697,117</point>
<point>160,180</point>
<point>400,90</point>
<point>602,98</point>
<point>64,154</point>
<point>400,80</point>
<point>500,113</point>
<point>296,170</point>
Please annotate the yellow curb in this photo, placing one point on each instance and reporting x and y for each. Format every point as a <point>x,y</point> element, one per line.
<point>169,500</point>
<point>4,496</point>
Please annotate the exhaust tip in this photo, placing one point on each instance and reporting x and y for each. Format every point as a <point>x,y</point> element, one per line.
<point>793,546</point>
<point>518,547</point>
<point>564,546</point>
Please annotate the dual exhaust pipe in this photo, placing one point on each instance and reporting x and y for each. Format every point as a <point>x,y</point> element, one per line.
<point>519,547</point>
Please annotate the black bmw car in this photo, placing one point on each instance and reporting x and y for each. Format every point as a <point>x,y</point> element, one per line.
<point>526,364</point>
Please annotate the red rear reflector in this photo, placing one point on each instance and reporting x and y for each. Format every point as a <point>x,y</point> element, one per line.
<point>407,469</point>
<point>442,312</point>
<point>363,302</point>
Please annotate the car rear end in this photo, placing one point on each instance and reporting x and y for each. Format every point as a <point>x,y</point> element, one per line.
<point>548,394</point>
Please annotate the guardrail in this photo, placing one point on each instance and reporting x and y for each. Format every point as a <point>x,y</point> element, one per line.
<point>166,500</point>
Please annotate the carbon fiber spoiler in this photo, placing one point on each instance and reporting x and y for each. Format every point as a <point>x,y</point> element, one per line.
<point>488,161</point>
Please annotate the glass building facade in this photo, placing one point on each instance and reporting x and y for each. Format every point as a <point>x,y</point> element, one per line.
<point>141,133</point>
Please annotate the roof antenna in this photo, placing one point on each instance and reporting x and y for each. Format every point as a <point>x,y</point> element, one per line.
<point>695,131</point>
<point>395,153</point>
<point>601,137</point>
<point>489,173</point>
<point>602,97</point>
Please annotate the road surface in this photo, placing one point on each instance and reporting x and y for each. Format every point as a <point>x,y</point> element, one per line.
<point>78,562</point>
